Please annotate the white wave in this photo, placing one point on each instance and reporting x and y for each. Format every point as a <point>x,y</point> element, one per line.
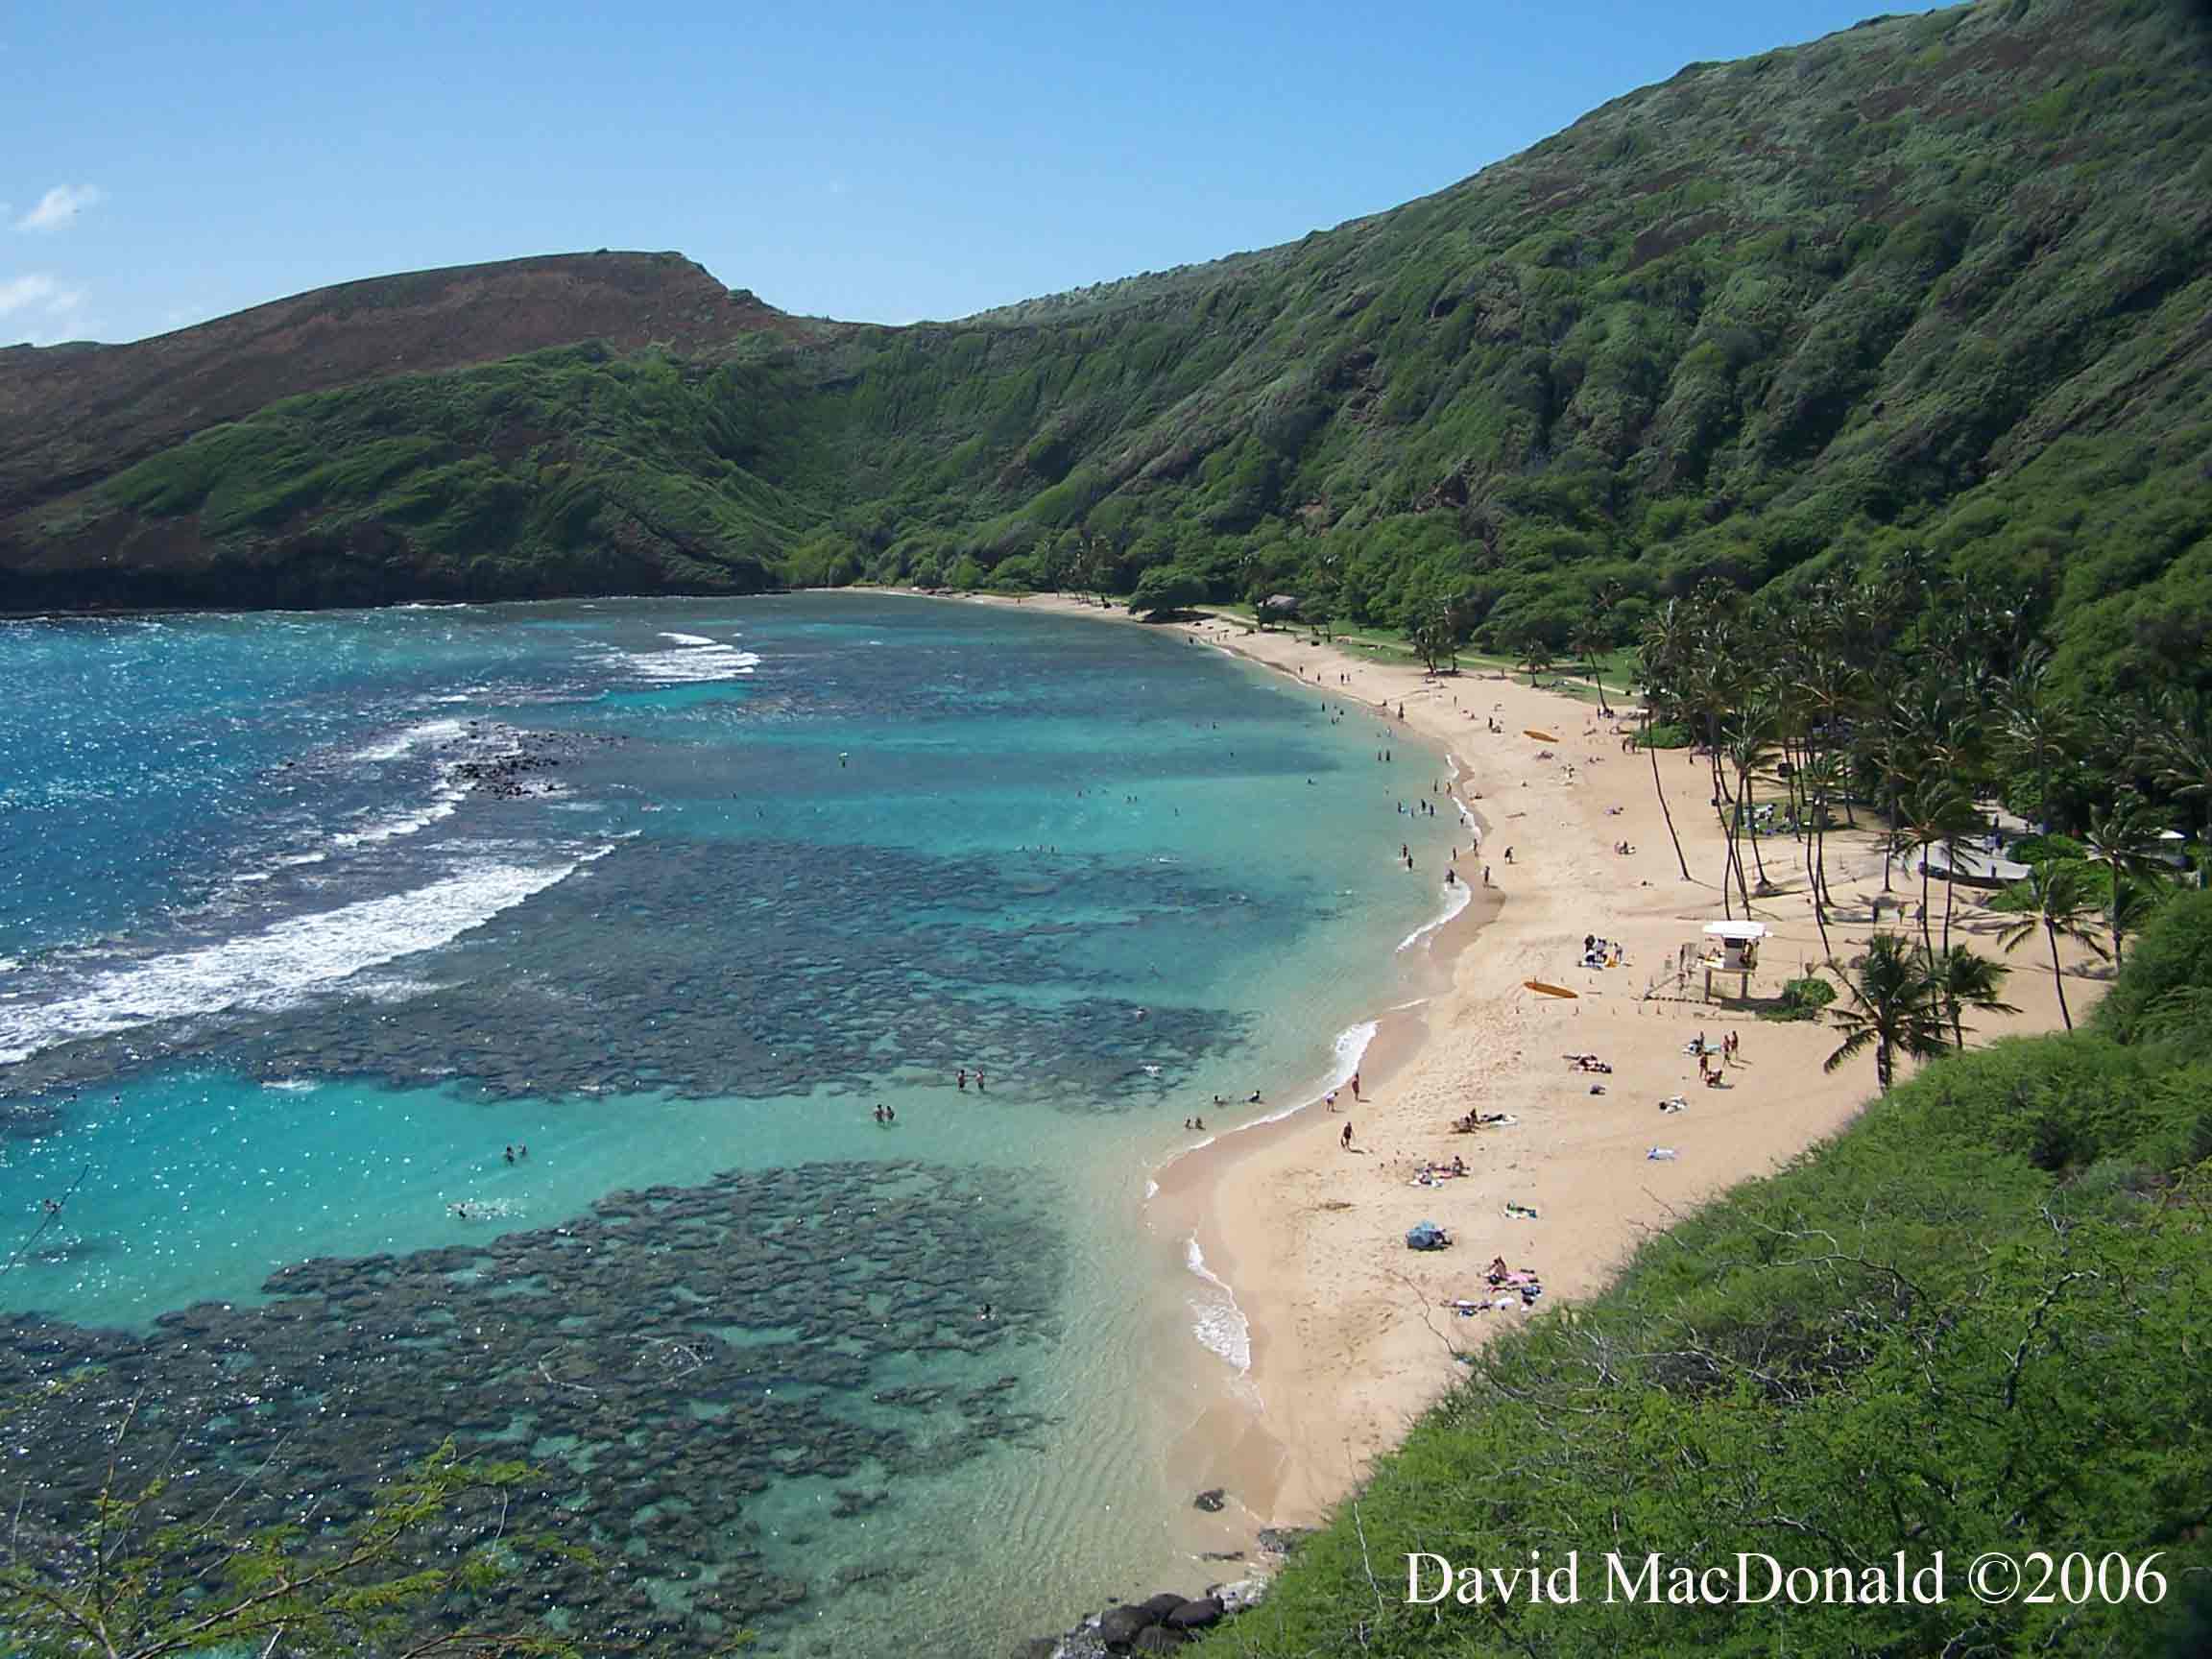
<point>293,1085</point>
<point>1457,899</point>
<point>401,744</point>
<point>390,828</point>
<point>691,639</point>
<point>275,967</point>
<point>1219,1323</point>
<point>690,664</point>
<point>1350,1046</point>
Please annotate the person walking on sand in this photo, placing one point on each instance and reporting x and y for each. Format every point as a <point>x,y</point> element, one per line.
<point>1331,1099</point>
<point>1346,1141</point>
<point>1355,1094</point>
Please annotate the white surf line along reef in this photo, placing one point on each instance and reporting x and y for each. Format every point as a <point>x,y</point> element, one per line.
<point>696,660</point>
<point>272,968</point>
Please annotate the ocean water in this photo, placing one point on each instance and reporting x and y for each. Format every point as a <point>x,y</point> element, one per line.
<point>306,921</point>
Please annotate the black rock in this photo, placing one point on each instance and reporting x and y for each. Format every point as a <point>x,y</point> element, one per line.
<point>1119,1627</point>
<point>1195,1615</point>
<point>1159,1639</point>
<point>1162,1605</point>
<point>1213,1500</point>
<point>1283,1540</point>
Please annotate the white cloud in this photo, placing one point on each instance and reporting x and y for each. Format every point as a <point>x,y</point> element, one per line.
<point>58,206</point>
<point>49,309</point>
<point>17,292</point>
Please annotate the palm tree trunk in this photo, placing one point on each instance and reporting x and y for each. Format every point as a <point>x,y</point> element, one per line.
<point>1882,1066</point>
<point>2057,977</point>
<point>1890,844</point>
<point>1744,801</point>
<point>1665,811</point>
<point>1950,890</point>
<point>1927,938</point>
<point>1813,892</point>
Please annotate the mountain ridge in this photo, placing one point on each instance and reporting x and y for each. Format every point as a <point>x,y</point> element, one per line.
<point>1939,279</point>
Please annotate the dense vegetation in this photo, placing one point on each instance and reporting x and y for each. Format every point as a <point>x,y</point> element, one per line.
<point>1936,282</point>
<point>1970,1323</point>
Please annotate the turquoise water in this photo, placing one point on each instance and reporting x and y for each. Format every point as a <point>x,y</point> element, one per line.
<point>304,919</point>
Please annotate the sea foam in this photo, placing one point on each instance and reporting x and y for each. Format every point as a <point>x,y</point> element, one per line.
<point>695,659</point>
<point>1218,1322</point>
<point>276,966</point>
<point>399,745</point>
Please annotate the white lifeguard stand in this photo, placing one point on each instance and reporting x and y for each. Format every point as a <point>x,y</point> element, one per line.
<point>1732,948</point>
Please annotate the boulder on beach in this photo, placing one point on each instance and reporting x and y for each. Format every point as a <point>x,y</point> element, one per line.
<point>1119,1627</point>
<point>1195,1615</point>
<point>1214,1500</point>
<point>1158,1639</point>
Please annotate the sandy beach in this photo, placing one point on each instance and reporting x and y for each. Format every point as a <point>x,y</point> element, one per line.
<point>1351,1334</point>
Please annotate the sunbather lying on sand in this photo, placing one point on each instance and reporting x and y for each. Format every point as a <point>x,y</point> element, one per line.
<point>1474,1120</point>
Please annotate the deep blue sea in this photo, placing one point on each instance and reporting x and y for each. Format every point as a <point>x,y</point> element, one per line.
<point>308,920</point>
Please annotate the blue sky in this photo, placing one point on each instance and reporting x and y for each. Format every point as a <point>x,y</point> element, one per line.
<point>164,164</point>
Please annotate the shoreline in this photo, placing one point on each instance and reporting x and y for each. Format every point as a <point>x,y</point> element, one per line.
<point>1350,1337</point>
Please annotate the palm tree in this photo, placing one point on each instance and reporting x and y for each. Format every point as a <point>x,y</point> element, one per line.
<point>1749,737</point>
<point>1936,813</point>
<point>1964,979</point>
<point>1666,638</point>
<point>2125,837</point>
<point>1896,1007</point>
<point>2040,732</point>
<point>1589,644</point>
<point>2055,898</point>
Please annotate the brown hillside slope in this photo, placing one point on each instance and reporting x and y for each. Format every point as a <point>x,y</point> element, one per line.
<point>71,415</point>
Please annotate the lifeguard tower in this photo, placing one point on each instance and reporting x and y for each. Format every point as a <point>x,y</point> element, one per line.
<point>1732,948</point>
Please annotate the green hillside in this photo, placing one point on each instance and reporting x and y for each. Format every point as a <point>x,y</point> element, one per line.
<point>1941,281</point>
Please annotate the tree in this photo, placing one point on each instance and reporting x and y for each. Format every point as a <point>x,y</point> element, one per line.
<point>2124,837</point>
<point>2173,741</point>
<point>1896,1007</point>
<point>137,1583</point>
<point>2055,899</point>
<point>1934,814</point>
<point>1165,590</point>
<point>1965,978</point>
<point>1535,654</point>
<point>2040,732</point>
<point>1588,645</point>
<point>1435,639</point>
<point>1664,644</point>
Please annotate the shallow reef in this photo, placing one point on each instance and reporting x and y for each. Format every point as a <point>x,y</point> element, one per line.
<point>667,1363</point>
